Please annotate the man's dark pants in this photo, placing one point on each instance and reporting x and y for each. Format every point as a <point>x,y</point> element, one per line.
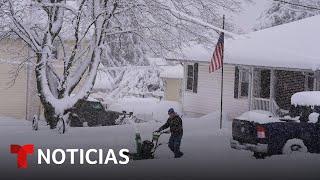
<point>174,144</point>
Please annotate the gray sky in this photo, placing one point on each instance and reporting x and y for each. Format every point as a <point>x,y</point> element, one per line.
<point>248,18</point>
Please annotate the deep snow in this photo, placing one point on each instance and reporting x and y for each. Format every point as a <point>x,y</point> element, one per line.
<point>148,109</point>
<point>207,153</point>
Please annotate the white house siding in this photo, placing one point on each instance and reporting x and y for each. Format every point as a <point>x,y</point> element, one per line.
<point>172,89</point>
<point>12,98</point>
<point>207,99</point>
<point>19,100</point>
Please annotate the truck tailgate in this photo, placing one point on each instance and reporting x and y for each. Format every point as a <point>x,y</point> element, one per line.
<point>244,131</point>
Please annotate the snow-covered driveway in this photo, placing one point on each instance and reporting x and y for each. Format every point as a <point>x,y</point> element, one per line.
<point>206,148</point>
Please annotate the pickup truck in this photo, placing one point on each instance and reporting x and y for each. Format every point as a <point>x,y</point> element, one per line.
<point>265,135</point>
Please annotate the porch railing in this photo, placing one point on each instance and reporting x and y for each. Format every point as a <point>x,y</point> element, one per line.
<point>266,105</point>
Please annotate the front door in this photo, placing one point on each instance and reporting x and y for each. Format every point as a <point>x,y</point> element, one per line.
<point>261,83</point>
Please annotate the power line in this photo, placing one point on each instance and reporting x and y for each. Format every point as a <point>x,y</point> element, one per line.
<point>300,5</point>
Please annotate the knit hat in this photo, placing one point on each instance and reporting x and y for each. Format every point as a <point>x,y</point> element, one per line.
<point>171,110</point>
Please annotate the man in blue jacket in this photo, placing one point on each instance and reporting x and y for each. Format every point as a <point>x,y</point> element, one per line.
<point>174,122</point>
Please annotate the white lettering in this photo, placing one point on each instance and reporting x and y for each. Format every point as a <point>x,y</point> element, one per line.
<point>54,156</point>
<point>100,156</point>
<point>72,152</point>
<point>88,156</point>
<point>91,156</point>
<point>81,156</point>
<point>45,157</point>
<point>111,156</point>
<point>125,157</point>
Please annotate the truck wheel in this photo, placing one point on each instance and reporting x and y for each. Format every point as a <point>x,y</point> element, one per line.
<point>294,146</point>
<point>258,155</point>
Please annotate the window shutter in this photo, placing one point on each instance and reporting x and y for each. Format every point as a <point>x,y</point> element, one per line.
<point>195,79</point>
<point>236,83</point>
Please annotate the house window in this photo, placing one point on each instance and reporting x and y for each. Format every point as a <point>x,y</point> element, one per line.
<point>244,84</point>
<point>192,77</point>
<point>309,82</point>
<point>241,83</point>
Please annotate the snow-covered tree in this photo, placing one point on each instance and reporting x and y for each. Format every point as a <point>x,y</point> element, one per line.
<point>88,31</point>
<point>280,13</point>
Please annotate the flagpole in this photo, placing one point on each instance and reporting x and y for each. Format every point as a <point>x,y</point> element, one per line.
<point>221,100</point>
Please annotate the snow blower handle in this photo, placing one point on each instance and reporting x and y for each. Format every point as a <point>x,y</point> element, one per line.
<point>161,132</point>
<point>165,132</point>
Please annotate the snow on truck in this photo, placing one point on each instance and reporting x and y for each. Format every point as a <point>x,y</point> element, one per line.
<point>266,135</point>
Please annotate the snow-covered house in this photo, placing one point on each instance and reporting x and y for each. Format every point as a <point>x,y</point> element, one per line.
<point>262,70</point>
<point>172,77</point>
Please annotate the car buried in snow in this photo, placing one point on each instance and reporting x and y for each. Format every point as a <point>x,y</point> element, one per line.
<point>92,113</point>
<point>265,134</point>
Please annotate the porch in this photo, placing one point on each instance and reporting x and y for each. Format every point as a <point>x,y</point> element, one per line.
<point>270,89</point>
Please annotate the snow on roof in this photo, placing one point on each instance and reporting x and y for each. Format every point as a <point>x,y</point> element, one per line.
<point>193,52</point>
<point>175,72</point>
<point>306,98</point>
<point>292,45</point>
<point>157,61</point>
<point>102,80</point>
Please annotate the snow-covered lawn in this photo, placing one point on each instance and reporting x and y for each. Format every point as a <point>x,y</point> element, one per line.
<point>146,108</point>
<point>206,148</point>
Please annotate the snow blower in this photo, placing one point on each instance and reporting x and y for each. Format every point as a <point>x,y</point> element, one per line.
<point>146,149</point>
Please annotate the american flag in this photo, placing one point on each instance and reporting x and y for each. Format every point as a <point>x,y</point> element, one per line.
<point>216,61</point>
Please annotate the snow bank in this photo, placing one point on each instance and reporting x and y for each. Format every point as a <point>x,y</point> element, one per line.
<point>306,98</point>
<point>258,116</point>
<point>9,121</point>
<point>175,72</point>
<point>208,123</point>
<point>203,145</point>
<point>147,109</point>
